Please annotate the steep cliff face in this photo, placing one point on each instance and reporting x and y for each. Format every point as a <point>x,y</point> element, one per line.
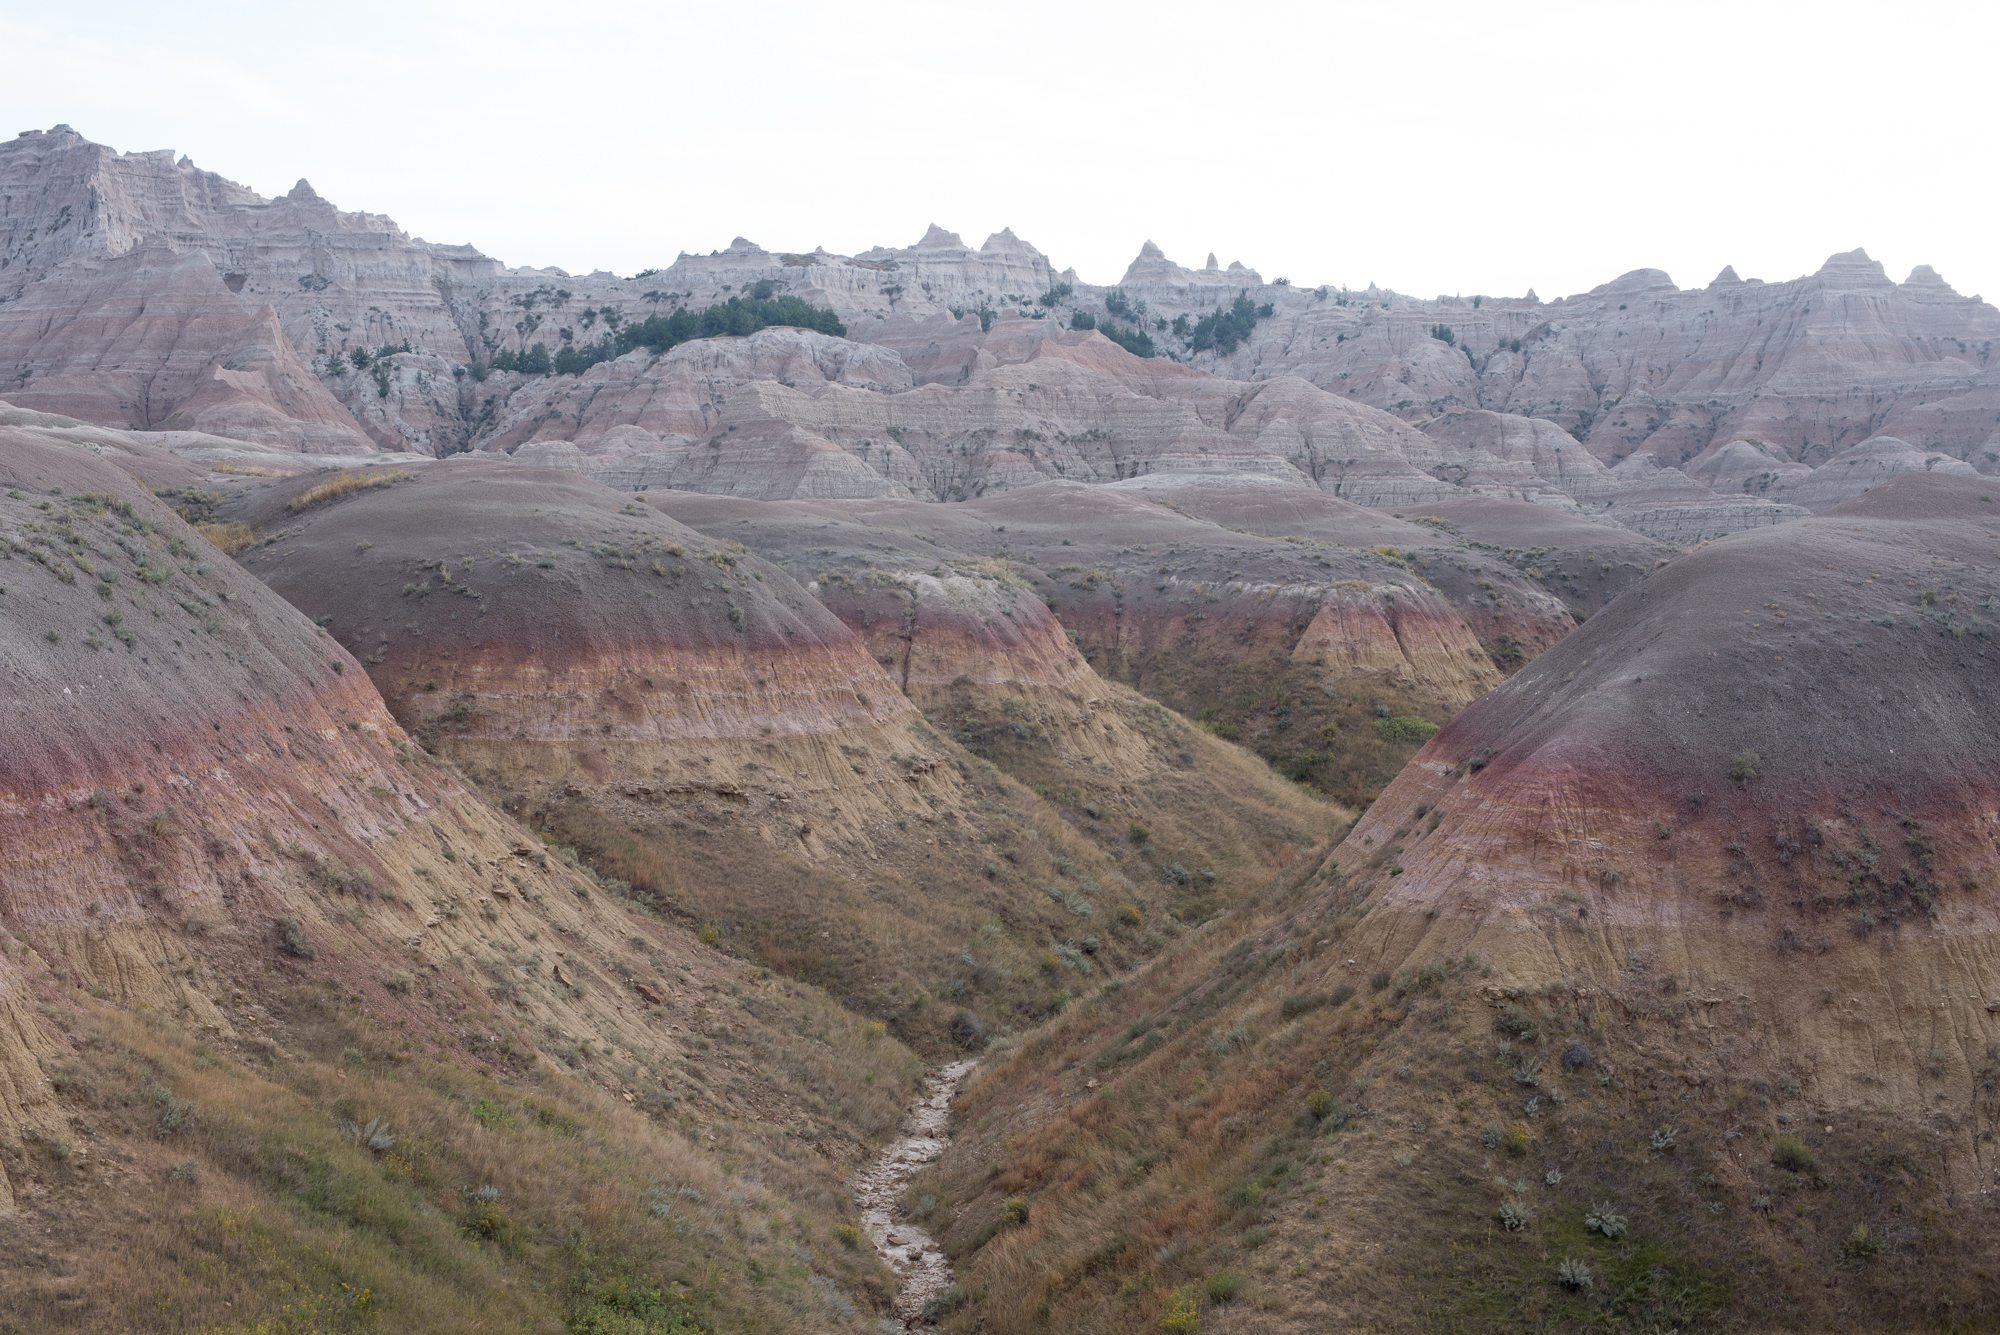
<point>153,340</point>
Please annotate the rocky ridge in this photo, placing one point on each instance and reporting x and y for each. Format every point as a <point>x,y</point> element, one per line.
<point>344,289</point>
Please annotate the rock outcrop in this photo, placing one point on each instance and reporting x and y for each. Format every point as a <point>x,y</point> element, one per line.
<point>290,322</point>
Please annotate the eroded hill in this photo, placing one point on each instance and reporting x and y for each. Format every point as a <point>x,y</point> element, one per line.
<point>1667,962</point>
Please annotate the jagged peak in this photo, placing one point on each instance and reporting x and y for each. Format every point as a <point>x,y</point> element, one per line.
<point>1149,251</point>
<point>1637,280</point>
<point>937,238</point>
<point>1928,279</point>
<point>1004,242</point>
<point>1728,275</point>
<point>1853,264</point>
<point>303,190</point>
<point>743,244</point>
<point>1211,261</point>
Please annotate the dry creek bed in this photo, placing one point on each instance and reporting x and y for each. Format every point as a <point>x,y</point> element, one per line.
<point>922,1272</point>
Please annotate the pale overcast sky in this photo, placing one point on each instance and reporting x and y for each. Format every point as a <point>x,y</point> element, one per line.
<point>1435,148</point>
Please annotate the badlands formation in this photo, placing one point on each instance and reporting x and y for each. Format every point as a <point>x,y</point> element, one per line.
<point>1458,814</point>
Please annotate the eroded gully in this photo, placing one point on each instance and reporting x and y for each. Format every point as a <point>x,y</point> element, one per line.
<point>922,1272</point>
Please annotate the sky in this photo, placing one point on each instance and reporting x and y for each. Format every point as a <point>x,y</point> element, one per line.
<point>1440,148</point>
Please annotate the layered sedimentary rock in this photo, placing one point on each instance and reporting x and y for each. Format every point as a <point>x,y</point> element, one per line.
<point>541,623</point>
<point>1504,599</point>
<point>1809,366</point>
<point>1532,459</point>
<point>391,325</point>
<point>786,413</point>
<point>1767,773</point>
<point>687,714</point>
<point>139,291</point>
<point>153,340</point>
<point>1043,604</point>
<point>95,234</point>
<point>203,798</point>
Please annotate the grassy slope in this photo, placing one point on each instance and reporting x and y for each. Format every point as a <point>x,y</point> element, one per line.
<point>208,1187</point>
<point>1167,1142</point>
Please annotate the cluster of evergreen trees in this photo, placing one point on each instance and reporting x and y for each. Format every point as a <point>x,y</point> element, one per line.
<point>1224,330</point>
<point>1135,341</point>
<point>738,316</point>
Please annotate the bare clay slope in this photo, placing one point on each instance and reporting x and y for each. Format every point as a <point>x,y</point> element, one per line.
<point>248,919</point>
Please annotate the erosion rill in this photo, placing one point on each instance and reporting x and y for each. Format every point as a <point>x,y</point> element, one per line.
<point>923,1272</point>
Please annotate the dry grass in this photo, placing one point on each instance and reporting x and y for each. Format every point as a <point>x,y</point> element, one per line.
<point>230,535</point>
<point>213,1190</point>
<point>1383,1213</point>
<point>253,470</point>
<point>245,1201</point>
<point>346,483</point>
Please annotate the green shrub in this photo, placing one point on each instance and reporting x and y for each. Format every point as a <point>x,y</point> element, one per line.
<point>1515,1216</point>
<point>1574,1275</point>
<point>1340,996</point>
<point>1603,1219</point>
<point>1082,320</point>
<point>1858,1245</point>
<point>1300,1002</point>
<point>175,1114</point>
<point>1015,1212</point>
<point>1319,1103</point>
<point>1792,1154</point>
<point>481,1219</point>
<point>1405,728</point>
<point>1744,765</point>
<point>943,1304</point>
<point>1182,1315</point>
<point>1224,1285</point>
<point>848,1236</point>
<point>1512,1019</point>
<point>1443,334</point>
<point>292,940</point>
<point>1378,981</point>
